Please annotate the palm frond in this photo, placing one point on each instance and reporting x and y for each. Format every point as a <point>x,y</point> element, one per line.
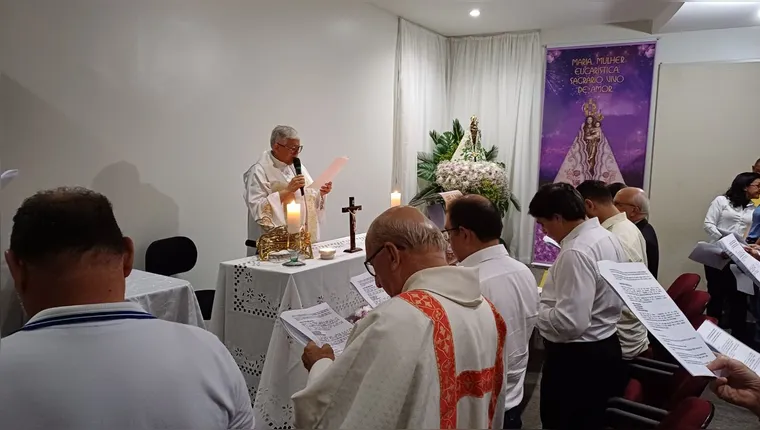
<point>492,153</point>
<point>515,202</point>
<point>427,195</point>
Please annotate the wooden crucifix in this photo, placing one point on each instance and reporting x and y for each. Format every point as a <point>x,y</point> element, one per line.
<point>351,210</point>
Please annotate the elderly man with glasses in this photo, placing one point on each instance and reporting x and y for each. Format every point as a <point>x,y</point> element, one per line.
<point>273,182</point>
<point>431,357</point>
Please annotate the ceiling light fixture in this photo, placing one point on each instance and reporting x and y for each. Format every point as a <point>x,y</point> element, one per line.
<point>475,13</point>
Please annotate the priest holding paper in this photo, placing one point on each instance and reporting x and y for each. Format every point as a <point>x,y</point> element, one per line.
<point>430,357</point>
<point>277,179</point>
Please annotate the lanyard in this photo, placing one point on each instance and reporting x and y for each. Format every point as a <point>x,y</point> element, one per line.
<point>85,318</point>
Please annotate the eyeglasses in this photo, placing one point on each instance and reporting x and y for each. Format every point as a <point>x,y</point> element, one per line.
<point>625,204</point>
<point>368,262</point>
<point>295,149</point>
<point>447,232</point>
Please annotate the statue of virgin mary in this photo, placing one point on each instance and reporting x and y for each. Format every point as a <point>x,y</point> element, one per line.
<point>590,157</point>
<point>470,148</point>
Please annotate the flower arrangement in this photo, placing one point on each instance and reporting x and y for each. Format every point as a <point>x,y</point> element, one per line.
<point>459,162</point>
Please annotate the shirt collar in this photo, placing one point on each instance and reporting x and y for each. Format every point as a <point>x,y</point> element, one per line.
<point>615,219</point>
<point>63,311</point>
<point>586,225</point>
<point>485,254</point>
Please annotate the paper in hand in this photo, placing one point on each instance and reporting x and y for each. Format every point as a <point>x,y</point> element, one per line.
<point>329,174</point>
<point>729,346</point>
<point>709,254</point>
<point>320,324</point>
<point>747,263</point>
<point>450,196</point>
<point>651,304</point>
<point>365,285</point>
<point>551,242</point>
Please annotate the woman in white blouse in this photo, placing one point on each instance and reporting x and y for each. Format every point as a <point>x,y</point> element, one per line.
<point>730,213</point>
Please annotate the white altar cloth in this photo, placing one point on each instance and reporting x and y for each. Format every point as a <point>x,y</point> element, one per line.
<point>251,294</point>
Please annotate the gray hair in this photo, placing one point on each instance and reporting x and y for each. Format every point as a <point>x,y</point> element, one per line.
<point>282,132</point>
<point>407,233</point>
<point>641,200</point>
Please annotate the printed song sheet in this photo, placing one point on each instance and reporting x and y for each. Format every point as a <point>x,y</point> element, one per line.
<point>551,242</point>
<point>319,323</point>
<point>329,174</point>
<point>710,255</point>
<point>746,262</point>
<point>656,310</point>
<point>450,196</point>
<point>365,285</point>
<point>728,345</point>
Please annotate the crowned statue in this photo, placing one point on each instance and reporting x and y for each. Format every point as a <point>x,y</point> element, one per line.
<point>470,148</point>
<point>590,156</point>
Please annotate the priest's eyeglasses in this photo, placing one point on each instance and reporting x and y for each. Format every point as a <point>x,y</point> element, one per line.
<point>368,262</point>
<point>295,149</point>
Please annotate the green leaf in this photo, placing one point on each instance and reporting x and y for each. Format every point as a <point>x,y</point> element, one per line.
<point>492,153</point>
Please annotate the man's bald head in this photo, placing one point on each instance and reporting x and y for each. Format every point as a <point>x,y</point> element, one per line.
<point>634,202</point>
<point>407,227</point>
<point>401,242</point>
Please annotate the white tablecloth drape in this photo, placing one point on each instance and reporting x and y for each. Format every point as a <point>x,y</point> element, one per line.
<point>166,298</point>
<point>252,294</point>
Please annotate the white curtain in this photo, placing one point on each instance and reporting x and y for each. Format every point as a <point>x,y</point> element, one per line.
<point>421,101</point>
<point>498,79</point>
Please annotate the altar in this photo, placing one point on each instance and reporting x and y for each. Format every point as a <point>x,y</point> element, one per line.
<point>251,294</point>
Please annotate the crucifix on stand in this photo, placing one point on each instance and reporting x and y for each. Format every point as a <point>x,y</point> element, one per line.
<point>351,210</point>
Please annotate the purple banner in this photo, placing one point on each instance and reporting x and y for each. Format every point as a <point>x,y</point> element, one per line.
<point>596,119</point>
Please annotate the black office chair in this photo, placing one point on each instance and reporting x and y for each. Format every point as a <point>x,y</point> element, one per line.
<point>171,256</point>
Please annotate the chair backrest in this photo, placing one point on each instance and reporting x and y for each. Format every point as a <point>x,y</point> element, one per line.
<point>690,413</point>
<point>684,386</point>
<point>698,320</point>
<point>693,303</point>
<point>685,282</point>
<point>171,256</point>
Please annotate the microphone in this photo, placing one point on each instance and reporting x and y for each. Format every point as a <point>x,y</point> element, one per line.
<point>297,165</point>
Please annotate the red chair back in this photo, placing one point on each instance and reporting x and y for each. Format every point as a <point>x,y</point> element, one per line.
<point>691,413</point>
<point>693,303</point>
<point>685,282</point>
<point>697,321</point>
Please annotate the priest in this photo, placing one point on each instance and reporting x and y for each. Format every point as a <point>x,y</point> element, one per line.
<point>431,357</point>
<point>274,181</point>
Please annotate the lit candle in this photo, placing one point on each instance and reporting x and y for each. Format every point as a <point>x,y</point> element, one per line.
<point>294,217</point>
<point>395,199</point>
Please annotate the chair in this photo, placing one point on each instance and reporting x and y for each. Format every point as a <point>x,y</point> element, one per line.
<point>685,282</point>
<point>693,303</point>
<point>661,385</point>
<point>690,414</point>
<point>206,302</point>
<point>171,256</point>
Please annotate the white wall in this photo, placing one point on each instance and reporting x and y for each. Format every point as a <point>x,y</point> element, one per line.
<point>691,47</point>
<point>162,105</point>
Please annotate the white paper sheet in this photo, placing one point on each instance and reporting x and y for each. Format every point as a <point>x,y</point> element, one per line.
<point>319,323</point>
<point>747,263</point>
<point>728,345</point>
<point>743,282</point>
<point>551,242</point>
<point>365,285</point>
<point>450,196</point>
<point>646,298</point>
<point>709,254</point>
<point>329,174</point>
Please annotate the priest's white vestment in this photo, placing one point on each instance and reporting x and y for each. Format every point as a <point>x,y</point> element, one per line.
<point>263,182</point>
<point>431,357</point>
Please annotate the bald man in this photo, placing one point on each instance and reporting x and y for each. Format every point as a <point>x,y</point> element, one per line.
<point>635,204</point>
<point>431,357</point>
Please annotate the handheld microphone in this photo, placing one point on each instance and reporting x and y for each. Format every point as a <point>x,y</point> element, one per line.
<point>297,165</point>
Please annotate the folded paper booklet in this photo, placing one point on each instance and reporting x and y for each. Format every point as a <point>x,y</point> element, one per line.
<point>329,174</point>
<point>709,254</point>
<point>372,294</point>
<point>320,324</point>
<point>651,304</point>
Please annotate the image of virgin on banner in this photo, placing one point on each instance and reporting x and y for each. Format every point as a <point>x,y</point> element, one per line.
<point>595,121</point>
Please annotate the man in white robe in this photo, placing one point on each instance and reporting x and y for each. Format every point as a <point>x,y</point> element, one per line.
<point>599,203</point>
<point>431,357</point>
<point>474,225</point>
<point>272,182</point>
<point>89,359</point>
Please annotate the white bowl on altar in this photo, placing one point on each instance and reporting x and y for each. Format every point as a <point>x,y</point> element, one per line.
<point>326,253</point>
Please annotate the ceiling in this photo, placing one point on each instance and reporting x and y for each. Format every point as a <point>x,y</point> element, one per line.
<point>451,17</point>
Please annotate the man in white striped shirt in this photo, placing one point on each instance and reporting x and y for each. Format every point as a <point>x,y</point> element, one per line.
<point>89,359</point>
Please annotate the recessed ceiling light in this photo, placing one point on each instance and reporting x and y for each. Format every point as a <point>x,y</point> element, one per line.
<point>475,13</point>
